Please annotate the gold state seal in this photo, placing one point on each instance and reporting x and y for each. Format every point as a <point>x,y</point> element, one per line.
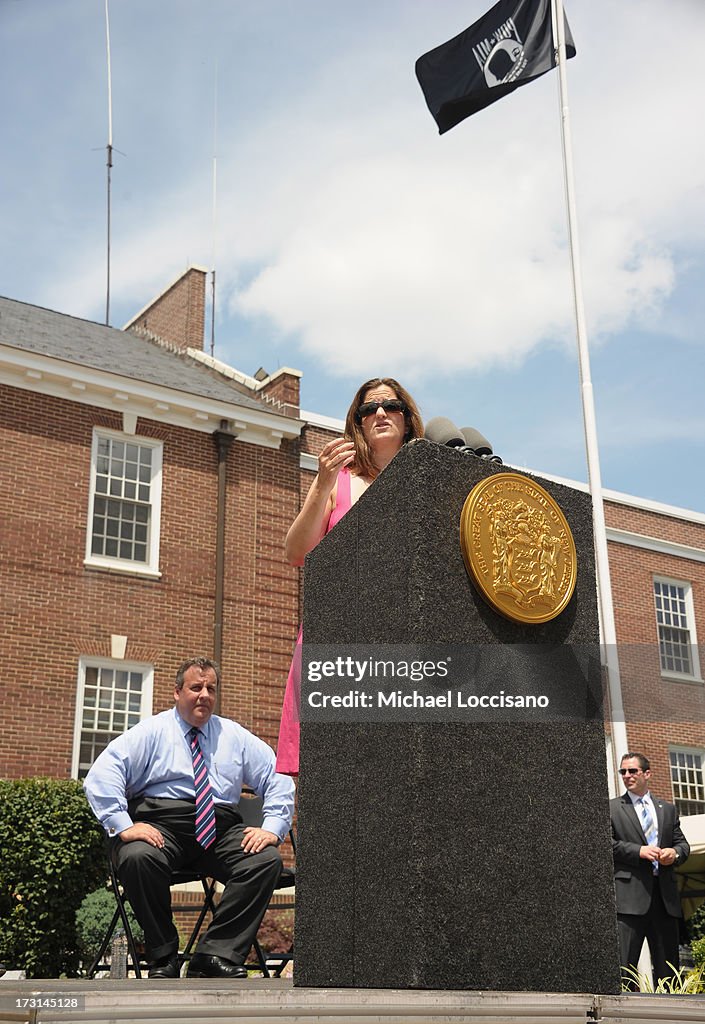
<point>518,548</point>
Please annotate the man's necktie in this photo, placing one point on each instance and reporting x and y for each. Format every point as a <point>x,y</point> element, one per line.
<point>205,810</point>
<point>649,828</point>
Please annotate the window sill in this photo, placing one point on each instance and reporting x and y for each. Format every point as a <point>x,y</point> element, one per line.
<point>123,569</point>
<point>674,677</point>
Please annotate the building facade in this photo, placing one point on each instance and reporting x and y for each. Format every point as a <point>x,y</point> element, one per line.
<point>147,489</point>
<point>657,569</point>
<point>146,496</point>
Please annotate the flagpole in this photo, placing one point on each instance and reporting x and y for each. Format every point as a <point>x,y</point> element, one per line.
<point>109,163</point>
<point>604,587</point>
<point>215,202</point>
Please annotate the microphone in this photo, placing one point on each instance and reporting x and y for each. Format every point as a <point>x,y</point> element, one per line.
<point>441,430</point>
<point>479,445</point>
<point>474,439</point>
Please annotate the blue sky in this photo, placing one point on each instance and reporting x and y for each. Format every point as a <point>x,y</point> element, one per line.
<point>350,239</point>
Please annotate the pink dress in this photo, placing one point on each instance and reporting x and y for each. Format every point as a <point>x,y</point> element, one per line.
<point>288,744</point>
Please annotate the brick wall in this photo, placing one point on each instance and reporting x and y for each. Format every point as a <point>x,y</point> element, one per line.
<point>655,524</point>
<point>659,711</point>
<point>262,604</point>
<point>314,437</point>
<point>284,389</point>
<point>54,609</point>
<point>177,316</point>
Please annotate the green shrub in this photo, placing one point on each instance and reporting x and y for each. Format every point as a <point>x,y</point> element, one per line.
<point>682,982</point>
<point>92,920</point>
<point>695,925</point>
<point>698,949</point>
<point>53,853</point>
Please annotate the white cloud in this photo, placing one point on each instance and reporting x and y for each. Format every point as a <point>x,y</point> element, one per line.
<point>348,224</point>
<point>452,252</point>
<point>351,234</point>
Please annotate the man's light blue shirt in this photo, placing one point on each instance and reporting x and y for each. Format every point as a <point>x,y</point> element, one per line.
<point>647,799</point>
<point>154,759</point>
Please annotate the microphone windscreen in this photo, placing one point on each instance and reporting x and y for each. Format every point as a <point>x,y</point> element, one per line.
<point>474,439</point>
<point>443,431</point>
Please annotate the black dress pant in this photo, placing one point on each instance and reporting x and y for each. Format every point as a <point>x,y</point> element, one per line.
<point>660,930</point>
<point>145,871</point>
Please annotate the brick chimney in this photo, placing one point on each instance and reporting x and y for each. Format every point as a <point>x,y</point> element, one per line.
<point>283,387</point>
<point>178,315</point>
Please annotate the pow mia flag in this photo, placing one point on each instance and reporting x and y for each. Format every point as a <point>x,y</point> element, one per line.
<point>509,46</point>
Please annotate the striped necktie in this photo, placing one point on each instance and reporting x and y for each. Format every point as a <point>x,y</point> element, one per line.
<point>205,810</point>
<point>649,828</point>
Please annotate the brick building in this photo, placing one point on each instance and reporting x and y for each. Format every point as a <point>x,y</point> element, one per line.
<point>657,569</point>
<point>146,492</point>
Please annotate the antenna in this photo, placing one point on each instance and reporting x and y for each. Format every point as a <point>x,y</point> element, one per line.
<point>215,182</point>
<point>109,149</point>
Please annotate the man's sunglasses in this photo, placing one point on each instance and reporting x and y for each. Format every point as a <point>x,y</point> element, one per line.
<point>370,408</point>
<point>629,771</point>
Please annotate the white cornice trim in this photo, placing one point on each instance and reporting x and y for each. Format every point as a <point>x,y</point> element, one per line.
<point>661,547</point>
<point>225,370</point>
<point>280,373</point>
<point>673,511</point>
<point>315,419</point>
<point>73,382</point>
<point>309,462</point>
<point>617,497</point>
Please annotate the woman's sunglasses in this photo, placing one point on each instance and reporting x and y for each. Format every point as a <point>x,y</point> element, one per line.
<point>370,408</point>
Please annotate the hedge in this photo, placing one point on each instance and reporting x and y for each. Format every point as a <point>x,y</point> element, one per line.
<point>53,854</point>
<point>92,920</point>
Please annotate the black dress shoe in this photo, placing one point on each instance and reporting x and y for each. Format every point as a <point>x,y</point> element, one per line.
<point>202,965</point>
<point>167,967</point>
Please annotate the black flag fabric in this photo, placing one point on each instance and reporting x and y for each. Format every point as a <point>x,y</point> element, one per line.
<point>509,46</point>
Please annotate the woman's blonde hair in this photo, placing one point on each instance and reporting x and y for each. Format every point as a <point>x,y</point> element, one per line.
<point>364,464</point>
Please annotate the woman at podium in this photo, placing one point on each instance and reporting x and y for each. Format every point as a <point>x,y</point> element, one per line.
<point>382,417</point>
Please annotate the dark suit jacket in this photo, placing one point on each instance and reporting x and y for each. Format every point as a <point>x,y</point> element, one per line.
<point>634,877</point>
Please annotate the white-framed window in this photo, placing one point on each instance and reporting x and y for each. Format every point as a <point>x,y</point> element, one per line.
<point>124,503</point>
<point>675,622</point>
<point>112,697</point>
<point>687,779</point>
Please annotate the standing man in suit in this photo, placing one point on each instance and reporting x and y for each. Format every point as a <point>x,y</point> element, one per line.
<point>647,843</point>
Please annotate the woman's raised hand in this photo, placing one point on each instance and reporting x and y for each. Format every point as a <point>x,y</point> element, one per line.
<point>333,457</point>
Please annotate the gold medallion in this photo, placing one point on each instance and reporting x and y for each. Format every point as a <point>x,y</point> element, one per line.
<point>518,548</point>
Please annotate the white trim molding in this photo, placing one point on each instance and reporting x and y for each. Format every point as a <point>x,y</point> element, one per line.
<point>103,390</point>
<point>113,562</point>
<point>689,628</point>
<point>125,715</point>
<point>655,544</point>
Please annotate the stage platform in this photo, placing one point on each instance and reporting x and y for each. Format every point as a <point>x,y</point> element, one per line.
<point>263,1001</point>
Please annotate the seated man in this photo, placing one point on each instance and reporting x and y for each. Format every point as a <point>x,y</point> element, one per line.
<point>167,791</point>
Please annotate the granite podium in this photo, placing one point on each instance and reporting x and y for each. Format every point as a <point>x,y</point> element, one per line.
<point>449,854</point>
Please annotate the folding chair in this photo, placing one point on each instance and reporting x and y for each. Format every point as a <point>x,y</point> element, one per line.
<point>250,808</point>
<point>120,917</point>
